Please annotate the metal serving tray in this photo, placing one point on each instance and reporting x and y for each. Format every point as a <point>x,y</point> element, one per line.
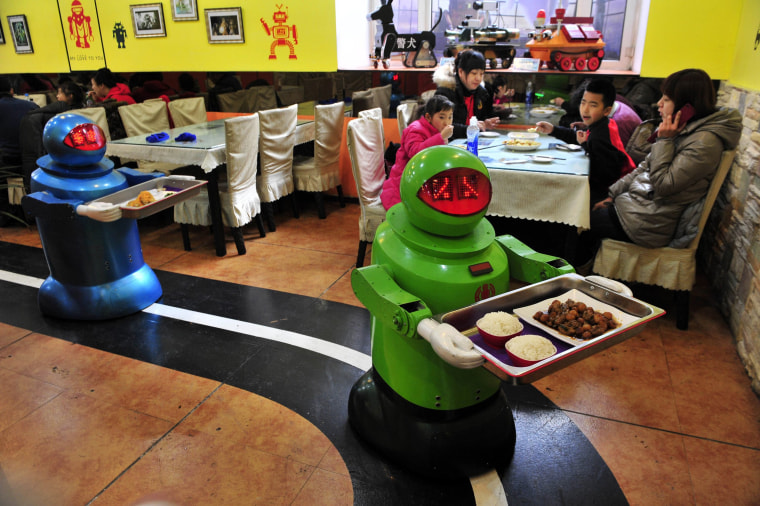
<point>633,315</point>
<point>183,189</point>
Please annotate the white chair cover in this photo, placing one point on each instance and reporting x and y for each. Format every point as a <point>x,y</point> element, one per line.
<point>238,195</point>
<point>671,268</point>
<point>144,119</point>
<point>257,98</point>
<point>234,101</point>
<point>404,113</point>
<point>382,96</point>
<point>277,139</point>
<point>188,111</point>
<point>289,94</point>
<point>38,98</point>
<point>425,95</point>
<point>16,190</point>
<point>97,115</point>
<point>322,171</point>
<point>365,147</point>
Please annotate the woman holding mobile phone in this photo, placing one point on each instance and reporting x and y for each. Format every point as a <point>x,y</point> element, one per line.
<point>645,206</point>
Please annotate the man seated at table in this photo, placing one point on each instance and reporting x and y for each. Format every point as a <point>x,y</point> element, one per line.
<point>608,160</point>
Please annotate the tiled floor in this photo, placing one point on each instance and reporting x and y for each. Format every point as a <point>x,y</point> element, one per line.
<point>85,420</point>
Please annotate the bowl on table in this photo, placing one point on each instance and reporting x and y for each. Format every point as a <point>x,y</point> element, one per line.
<point>522,141</point>
<point>526,350</point>
<point>498,327</point>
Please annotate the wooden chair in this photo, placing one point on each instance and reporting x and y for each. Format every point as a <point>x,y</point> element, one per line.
<point>322,171</point>
<point>670,268</point>
<point>277,139</point>
<point>365,141</point>
<point>237,192</point>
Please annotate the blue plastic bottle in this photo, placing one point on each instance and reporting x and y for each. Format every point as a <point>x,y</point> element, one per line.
<point>472,136</point>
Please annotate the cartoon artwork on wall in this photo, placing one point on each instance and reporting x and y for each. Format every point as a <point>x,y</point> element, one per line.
<point>120,34</point>
<point>81,30</point>
<point>281,33</point>
<point>80,27</point>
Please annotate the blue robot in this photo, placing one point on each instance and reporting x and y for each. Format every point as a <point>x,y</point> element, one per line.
<point>96,265</point>
<point>427,403</point>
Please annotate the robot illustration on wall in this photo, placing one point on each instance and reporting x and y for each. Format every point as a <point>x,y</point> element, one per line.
<point>80,28</point>
<point>120,33</point>
<point>281,33</point>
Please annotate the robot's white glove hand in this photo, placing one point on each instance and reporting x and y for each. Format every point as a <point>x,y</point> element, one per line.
<point>450,344</point>
<point>100,211</point>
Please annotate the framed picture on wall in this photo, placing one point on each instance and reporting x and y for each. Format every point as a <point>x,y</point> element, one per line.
<point>184,10</point>
<point>19,32</point>
<point>148,20</point>
<point>224,26</point>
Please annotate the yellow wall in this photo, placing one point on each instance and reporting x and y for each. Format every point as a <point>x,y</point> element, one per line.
<point>746,64</point>
<point>185,47</point>
<point>691,33</point>
<point>45,32</point>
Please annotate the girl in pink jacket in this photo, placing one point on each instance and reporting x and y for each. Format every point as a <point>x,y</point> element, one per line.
<point>432,128</point>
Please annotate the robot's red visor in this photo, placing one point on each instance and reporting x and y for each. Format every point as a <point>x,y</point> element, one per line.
<point>86,137</point>
<point>457,192</point>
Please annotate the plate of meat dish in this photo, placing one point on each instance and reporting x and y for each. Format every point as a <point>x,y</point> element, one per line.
<point>575,317</point>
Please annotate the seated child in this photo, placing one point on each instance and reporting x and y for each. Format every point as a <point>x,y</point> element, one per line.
<point>502,97</point>
<point>432,128</point>
<point>601,142</point>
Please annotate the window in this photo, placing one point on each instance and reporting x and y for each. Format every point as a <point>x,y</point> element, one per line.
<point>616,19</point>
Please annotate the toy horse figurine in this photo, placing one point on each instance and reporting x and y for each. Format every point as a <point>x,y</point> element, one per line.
<point>417,46</point>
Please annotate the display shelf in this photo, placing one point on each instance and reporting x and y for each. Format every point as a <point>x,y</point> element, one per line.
<point>398,66</point>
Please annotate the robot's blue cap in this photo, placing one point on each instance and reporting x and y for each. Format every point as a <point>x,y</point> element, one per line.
<point>73,140</point>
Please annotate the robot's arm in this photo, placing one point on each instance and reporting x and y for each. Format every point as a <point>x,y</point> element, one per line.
<point>529,266</point>
<point>48,207</point>
<point>395,307</point>
<point>295,35</point>
<point>387,301</point>
<point>266,27</point>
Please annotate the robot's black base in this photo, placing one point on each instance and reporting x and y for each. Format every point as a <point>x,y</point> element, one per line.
<point>439,444</point>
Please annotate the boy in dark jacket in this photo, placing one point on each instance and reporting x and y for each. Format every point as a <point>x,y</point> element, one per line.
<point>607,157</point>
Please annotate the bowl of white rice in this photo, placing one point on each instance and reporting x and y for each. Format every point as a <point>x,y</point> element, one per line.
<point>498,327</point>
<point>528,349</point>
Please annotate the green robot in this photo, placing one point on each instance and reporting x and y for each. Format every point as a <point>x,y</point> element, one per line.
<point>427,403</point>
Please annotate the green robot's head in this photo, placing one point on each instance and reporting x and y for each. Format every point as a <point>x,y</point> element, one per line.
<point>446,190</point>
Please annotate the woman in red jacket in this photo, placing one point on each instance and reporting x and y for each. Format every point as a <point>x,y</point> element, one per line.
<point>106,87</point>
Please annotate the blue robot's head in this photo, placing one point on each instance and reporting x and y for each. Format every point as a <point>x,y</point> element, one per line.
<point>446,190</point>
<point>73,140</point>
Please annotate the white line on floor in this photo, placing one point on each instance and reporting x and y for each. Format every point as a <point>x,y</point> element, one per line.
<point>336,351</point>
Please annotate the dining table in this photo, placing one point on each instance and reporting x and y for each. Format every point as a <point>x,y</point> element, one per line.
<point>207,150</point>
<point>547,183</point>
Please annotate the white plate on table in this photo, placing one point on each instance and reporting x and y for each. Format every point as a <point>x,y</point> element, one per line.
<point>542,113</point>
<point>542,159</point>
<point>523,148</point>
<point>526,314</point>
<point>489,134</point>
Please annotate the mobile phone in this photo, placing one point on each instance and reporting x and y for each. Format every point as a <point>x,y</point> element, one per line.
<point>687,112</point>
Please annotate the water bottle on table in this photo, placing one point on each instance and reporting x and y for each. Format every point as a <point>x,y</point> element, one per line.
<point>528,98</point>
<point>473,130</point>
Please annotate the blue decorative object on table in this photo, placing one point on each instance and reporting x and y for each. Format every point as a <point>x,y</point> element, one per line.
<point>159,137</point>
<point>185,137</point>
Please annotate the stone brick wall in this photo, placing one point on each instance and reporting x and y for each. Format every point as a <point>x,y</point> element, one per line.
<point>730,248</point>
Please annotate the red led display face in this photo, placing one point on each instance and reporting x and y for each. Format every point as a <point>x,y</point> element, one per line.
<point>87,137</point>
<point>458,192</point>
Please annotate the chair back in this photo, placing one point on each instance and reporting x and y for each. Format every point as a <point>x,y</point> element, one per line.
<point>188,111</point>
<point>144,118</point>
<point>38,98</point>
<point>382,96</point>
<point>289,94</point>
<point>425,95</point>
<point>712,193</point>
<point>404,113</point>
<point>97,115</point>
<point>242,139</point>
<point>328,135</point>
<point>365,148</point>
<point>260,98</point>
<point>276,141</point>
<point>234,101</point>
